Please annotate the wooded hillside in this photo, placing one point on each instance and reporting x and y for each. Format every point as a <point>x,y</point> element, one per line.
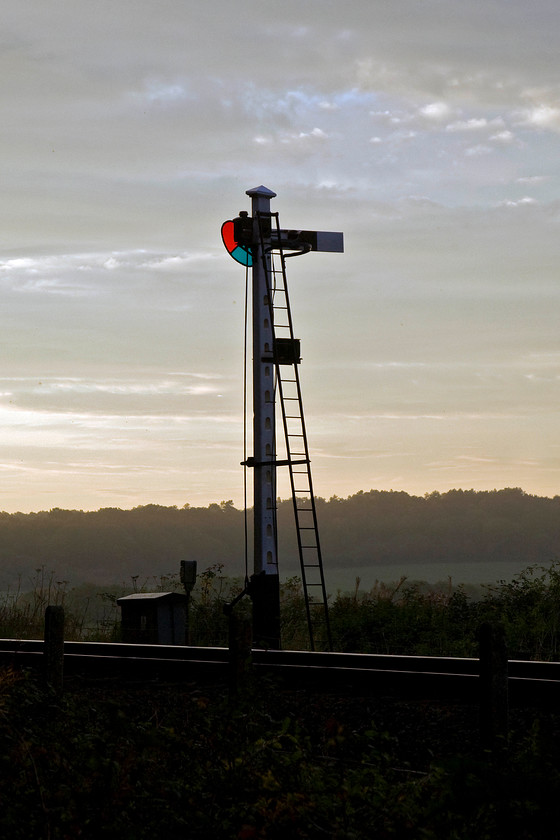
<point>111,545</point>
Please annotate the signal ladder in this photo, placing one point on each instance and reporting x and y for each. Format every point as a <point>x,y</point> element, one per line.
<point>286,360</point>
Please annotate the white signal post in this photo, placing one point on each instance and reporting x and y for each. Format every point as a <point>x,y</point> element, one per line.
<point>265,583</point>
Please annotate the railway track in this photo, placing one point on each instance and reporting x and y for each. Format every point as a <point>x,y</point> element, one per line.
<point>405,677</point>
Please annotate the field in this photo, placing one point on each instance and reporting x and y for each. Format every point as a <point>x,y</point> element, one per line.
<point>471,574</point>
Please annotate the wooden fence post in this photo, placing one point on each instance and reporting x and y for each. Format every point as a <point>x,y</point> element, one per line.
<point>494,704</point>
<point>53,650</point>
<point>240,653</point>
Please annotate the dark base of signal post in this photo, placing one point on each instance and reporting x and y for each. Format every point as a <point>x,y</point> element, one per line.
<point>265,595</point>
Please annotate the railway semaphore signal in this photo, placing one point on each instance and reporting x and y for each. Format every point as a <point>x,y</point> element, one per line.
<point>261,245</point>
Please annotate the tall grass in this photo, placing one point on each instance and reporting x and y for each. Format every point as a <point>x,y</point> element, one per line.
<point>22,613</point>
<point>400,618</point>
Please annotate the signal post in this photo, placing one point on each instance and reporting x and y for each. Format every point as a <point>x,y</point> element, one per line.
<point>265,583</point>
<point>250,240</point>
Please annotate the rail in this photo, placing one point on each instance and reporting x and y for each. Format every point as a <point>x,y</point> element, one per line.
<point>406,677</point>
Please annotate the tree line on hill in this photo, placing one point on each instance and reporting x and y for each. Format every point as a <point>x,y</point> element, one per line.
<point>375,527</point>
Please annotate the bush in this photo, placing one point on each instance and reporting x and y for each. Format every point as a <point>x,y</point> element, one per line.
<point>175,762</point>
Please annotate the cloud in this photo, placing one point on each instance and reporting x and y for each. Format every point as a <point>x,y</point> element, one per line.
<point>132,132</point>
<point>478,150</point>
<point>472,124</point>
<point>301,138</point>
<point>90,274</point>
<point>532,179</point>
<point>166,93</point>
<point>73,402</point>
<point>541,116</point>
<point>437,111</point>
<point>502,137</point>
<point>526,201</point>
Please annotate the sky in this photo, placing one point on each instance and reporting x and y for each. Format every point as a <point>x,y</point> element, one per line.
<point>426,130</point>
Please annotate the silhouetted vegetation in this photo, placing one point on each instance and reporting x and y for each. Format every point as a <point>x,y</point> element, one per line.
<point>366,529</point>
<point>180,761</point>
<point>402,618</point>
<point>177,762</point>
<point>417,619</point>
<point>111,545</point>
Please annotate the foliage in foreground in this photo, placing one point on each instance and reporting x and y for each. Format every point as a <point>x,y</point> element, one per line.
<point>172,762</point>
<point>410,618</point>
<point>403,618</point>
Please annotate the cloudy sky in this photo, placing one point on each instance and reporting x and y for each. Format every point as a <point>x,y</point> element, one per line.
<point>427,130</point>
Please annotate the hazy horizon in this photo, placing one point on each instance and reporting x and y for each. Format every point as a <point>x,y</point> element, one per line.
<point>280,500</point>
